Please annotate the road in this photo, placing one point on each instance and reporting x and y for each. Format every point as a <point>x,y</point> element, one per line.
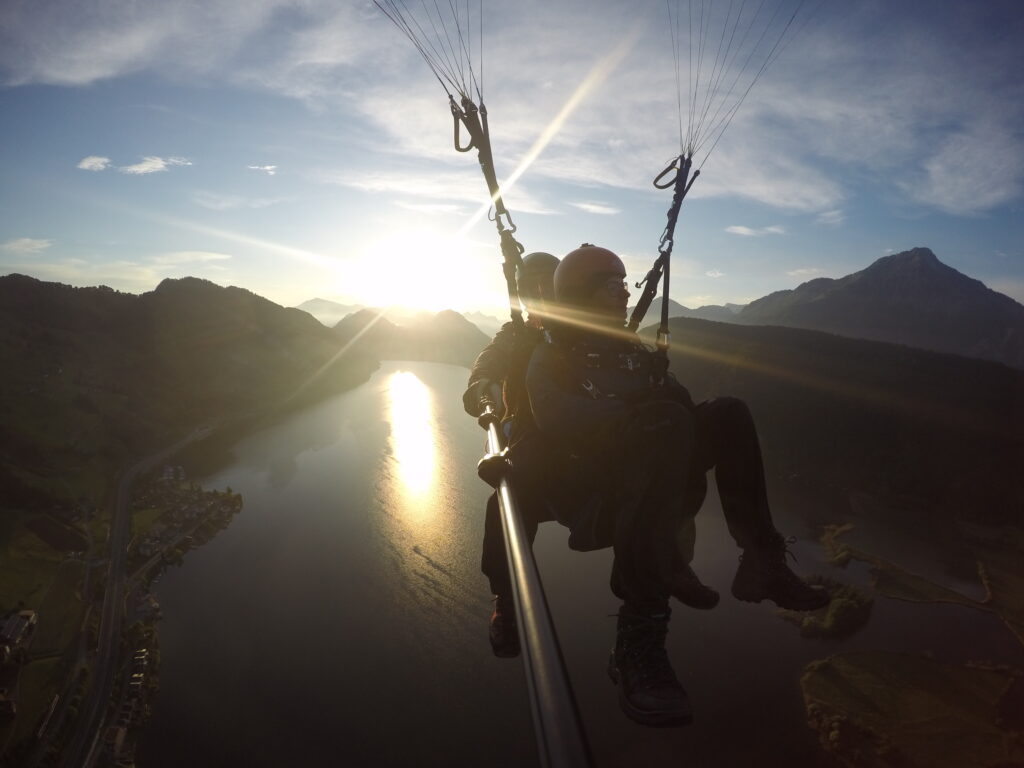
<point>81,750</point>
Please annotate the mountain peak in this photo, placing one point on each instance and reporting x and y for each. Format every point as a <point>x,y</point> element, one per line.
<point>908,298</point>
<point>915,258</point>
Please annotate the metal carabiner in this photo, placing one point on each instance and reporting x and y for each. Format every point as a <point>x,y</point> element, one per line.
<point>672,167</point>
<point>472,141</point>
<point>459,116</point>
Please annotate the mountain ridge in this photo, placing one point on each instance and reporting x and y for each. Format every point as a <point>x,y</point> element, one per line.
<point>909,298</point>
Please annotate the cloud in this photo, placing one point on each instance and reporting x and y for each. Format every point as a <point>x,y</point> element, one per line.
<point>153,164</point>
<point>441,184</point>
<point>188,257</point>
<point>700,300</point>
<point>831,218</point>
<point>804,272</point>
<point>216,201</point>
<point>270,170</point>
<point>74,44</point>
<point>756,231</point>
<point>133,275</point>
<point>94,163</point>
<point>25,246</point>
<point>881,91</point>
<point>714,273</point>
<point>972,171</point>
<point>598,208</point>
<point>433,208</point>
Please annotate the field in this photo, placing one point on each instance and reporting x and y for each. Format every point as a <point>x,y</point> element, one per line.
<point>29,564</point>
<point>60,614</point>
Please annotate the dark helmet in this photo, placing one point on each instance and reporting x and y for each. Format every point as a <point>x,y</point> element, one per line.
<point>583,271</point>
<point>535,267</point>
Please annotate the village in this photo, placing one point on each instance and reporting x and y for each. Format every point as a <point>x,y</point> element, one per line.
<point>169,516</point>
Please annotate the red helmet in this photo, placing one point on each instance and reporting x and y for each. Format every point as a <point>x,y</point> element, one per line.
<point>583,271</point>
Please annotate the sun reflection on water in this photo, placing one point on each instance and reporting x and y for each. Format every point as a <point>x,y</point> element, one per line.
<point>412,435</point>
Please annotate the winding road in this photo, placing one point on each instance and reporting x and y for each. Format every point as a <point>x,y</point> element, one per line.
<point>81,750</point>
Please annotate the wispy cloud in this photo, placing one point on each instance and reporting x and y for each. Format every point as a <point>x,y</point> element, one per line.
<point>433,208</point>
<point>25,246</point>
<point>871,89</point>
<point>714,273</point>
<point>831,218</point>
<point>270,170</point>
<point>972,171</point>
<point>189,257</point>
<point>598,208</point>
<point>216,201</point>
<point>133,275</point>
<point>738,229</point>
<point>804,272</point>
<point>94,163</point>
<point>153,164</point>
<point>463,186</point>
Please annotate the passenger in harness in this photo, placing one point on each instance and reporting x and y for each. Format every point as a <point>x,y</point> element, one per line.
<point>498,377</point>
<point>632,453</point>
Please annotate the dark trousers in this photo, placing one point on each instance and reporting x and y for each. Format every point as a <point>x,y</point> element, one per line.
<point>493,561</point>
<point>652,489</point>
<point>655,537</point>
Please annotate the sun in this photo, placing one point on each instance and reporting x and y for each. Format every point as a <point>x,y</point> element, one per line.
<point>423,269</point>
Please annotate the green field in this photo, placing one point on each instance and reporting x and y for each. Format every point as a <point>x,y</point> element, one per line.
<point>28,565</point>
<point>144,519</point>
<point>60,614</point>
<point>40,681</point>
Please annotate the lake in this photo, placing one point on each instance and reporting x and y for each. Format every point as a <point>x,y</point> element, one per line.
<point>341,619</point>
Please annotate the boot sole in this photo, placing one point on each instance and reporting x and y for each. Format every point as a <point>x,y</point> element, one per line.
<point>643,717</point>
<point>507,650</point>
<point>503,652</point>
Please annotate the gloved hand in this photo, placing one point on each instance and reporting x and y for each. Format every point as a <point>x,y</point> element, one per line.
<point>481,393</point>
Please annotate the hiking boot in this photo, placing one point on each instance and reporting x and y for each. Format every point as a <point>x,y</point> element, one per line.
<point>764,575</point>
<point>687,588</point>
<point>649,692</point>
<point>503,631</point>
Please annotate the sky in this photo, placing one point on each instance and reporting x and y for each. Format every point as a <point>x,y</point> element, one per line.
<point>302,148</point>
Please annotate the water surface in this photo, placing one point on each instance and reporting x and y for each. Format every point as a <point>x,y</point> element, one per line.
<point>341,620</point>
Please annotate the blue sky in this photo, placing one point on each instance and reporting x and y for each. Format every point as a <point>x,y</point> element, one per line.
<point>301,148</point>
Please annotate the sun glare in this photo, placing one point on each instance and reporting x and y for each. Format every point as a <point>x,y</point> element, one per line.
<point>420,269</point>
<point>412,434</point>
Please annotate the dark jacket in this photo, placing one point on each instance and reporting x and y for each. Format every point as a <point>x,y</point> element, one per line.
<point>599,413</point>
<point>583,387</point>
<point>504,361</point>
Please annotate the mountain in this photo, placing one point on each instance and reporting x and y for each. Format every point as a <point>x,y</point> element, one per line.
<point>720,313</point>
<point>93,376</point>
<point>486,323</point>
<point>326,311</point>
<point>446,337</point>
<point>653,315</point>
<point>908,298</point>
<point>939,433</point>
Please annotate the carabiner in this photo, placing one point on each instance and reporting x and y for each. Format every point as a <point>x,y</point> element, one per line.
<point>672,167</point>
<point>472,141</point>
<point>459,116</point>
